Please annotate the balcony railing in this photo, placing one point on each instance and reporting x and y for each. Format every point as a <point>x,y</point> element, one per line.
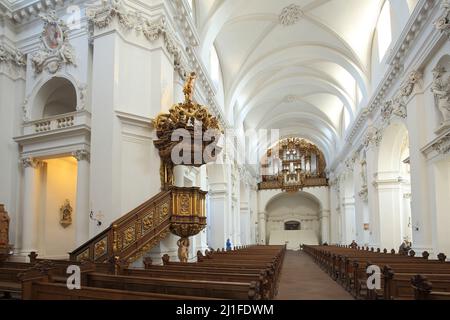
<point>58,122</point>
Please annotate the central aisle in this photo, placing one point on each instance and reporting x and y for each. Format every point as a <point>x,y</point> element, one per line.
<point>302,279</point>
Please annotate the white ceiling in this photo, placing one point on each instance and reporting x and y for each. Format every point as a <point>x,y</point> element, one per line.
<point>297,78</point>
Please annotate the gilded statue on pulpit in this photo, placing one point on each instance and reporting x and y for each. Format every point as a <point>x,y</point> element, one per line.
<point>183,250</point>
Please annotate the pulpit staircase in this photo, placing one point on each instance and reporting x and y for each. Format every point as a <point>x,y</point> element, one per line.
<point>137,232</point>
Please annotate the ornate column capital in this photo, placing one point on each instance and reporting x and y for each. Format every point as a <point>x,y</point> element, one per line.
<point>82,155</point>
<point>29,162</point>
<point>372,137</point>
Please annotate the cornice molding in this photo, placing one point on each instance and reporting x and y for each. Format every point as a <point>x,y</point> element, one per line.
<point>101,16</point>
<point>20,12</point>
<point>186,24</point>
<point>439,146</point>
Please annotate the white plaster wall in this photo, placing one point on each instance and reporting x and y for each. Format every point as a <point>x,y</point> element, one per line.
<point>58,183</point>
<point>11,97</point>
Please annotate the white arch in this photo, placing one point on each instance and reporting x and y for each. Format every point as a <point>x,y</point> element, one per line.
<point>31,101</point>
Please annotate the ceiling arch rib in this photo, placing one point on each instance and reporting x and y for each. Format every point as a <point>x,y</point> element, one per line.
<point>322,80</point>
<point>288,87</point>
<point>297,72</point>
<point>290,55</point>
<point>319,116</point>
<point>309,121</point>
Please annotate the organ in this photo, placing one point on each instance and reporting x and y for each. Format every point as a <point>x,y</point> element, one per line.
<point>293,164</point>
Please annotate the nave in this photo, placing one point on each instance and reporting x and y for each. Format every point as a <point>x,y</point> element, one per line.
<point>245,273</point>
<point>302,279</point>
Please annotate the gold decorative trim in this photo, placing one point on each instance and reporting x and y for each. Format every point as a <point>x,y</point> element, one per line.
<point>84,255</point>
<point>191,117</point>
<point>100,248</point>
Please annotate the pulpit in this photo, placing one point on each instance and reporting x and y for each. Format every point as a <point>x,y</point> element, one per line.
<point>199,132</point>
<point>5,247</point>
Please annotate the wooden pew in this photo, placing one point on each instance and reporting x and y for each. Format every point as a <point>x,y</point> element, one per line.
<point>424,289</point>
<point>9,282</point>
<point>349,266</point>
<point>397,280</point>
<point>214,289</point>
<point>261,278</point>
<point>44,290</point>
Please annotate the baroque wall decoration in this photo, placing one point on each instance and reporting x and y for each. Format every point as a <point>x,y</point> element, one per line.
<point>66,214</point>
<point>12,56</point>
<point>443,145</point>
<point>290,15</point>
<point>55,50</point>
<point>441,91</point>
<point>372,137</point>
<point>443,23</point>
<point>12,61</point>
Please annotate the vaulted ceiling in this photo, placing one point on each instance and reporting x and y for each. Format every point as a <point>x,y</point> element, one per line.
<point>294,65</point>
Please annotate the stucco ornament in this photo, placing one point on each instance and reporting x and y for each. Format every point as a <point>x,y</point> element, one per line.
<point>55,49</point>
<point>443,23</point>
<point>441,91</point>
<point>291,15</point>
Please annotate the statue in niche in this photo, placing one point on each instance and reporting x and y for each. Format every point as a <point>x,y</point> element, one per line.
<point>183,250</point>
<point>4,228</point>
<point>66,214</point>
<point>441,90</point>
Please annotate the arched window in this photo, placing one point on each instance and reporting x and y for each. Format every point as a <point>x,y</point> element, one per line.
<point>214,66</point>
<point>57,96</point>
<point>384,30</point>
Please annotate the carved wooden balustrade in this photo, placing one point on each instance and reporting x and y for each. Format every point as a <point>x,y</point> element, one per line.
<point>130,237</point>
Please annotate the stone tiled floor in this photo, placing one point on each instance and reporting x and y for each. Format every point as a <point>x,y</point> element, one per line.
<point>302,279</point>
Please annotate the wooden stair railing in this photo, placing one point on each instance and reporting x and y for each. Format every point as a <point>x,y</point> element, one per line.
<point>131,236</point>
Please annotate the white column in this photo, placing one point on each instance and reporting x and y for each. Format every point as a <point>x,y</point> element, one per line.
<point>349,220</point>
<point>390,198</point>
<point>325,226</point>
<point>218,230</point>
<point>30,206</point>
<point>421,211</point>
<point>334,214</point>
<point>262,228</point>
<point>374,219</point>
<point>83,197</point>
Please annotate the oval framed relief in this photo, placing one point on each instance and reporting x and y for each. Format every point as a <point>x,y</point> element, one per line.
<point>53,36</point>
